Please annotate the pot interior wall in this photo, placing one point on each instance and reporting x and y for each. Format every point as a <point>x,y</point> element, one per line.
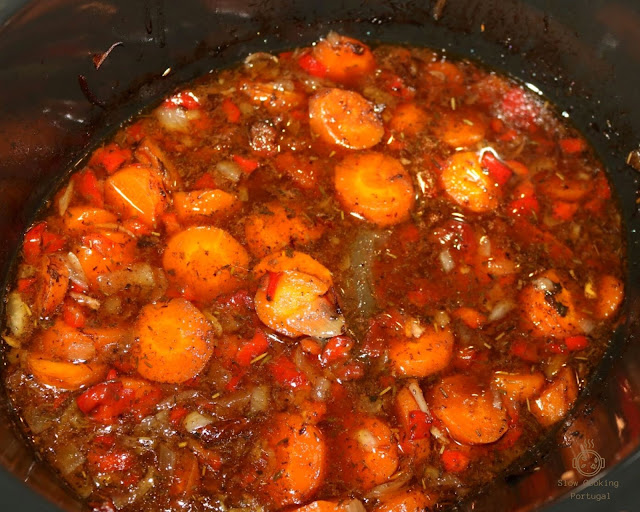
<point>585,57</point>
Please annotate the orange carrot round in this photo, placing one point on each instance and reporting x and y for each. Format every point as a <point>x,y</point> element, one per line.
<point>199,205</point>
<point>408,500</point>
<point>345,59</point>
<point>66,343</point>
<point>274,227</point>
<point>344,118</point>
<point>136,192</point>
<point>430,353</point>
<point>62,374</point>
<point>82,219</point>
<point>468,410</point>
<point>408,119</point>
<point>174,341</point>
<point>519,386</point>
<point>368,452</point>
<point>296,461</point>
<point>292,260</point>
<point>610,292</point>
<point>376,187</point>
<point>557,398</point>
<point>548,307</point>
<point>464,180</point>
<point>461,130</point>
<point>206,260</point>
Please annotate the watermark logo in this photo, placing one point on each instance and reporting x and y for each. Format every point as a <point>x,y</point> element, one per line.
<point>588,462</point>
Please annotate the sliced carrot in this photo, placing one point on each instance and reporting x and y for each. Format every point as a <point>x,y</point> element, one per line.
<point>199,205</point>
<point>448,75</point>
<point>375,186</point>
<point>273,96</point>
<point>296,461</point>
<point>53,282</point>
<point>519,386</point>
<point>471,317</point>
<point>468,410</point>
<point>557,398</point>
<point>550,312</point>
<point>136,191</point>
<point>408,500</point>
<point>367,451</point>
<point>64,375</point>
<point>455,461</point>
<point>344,118</point>
<point>62,342</point>
<point>467,184</point>
<point>610,291</point>
<point>564,188</point>
<point>564,211</point>
<point>274,227</point>
<point>292,260</point>
<point>206,260</point>
<point>174,341</point>
<point>104,251</point>
<point>344,59</point>
<point>81,219</point>
<point>408,119</point>
<point>461,129</point>
<point>297,306</point>
<point>430,353</point>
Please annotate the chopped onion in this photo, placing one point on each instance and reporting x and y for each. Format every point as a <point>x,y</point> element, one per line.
<point>259,399</point>
<point>437,433</point>
<point>544,284</point>
<point>76,272</point>
<point>446,261</point>
<point>442,319</point>
<point>500,310</point>
<point>418,395</point>
<point>229,170</point>
<point>121,500</point>
<point>366,439</point>
<point>173,119</point>
<point>252,58</point>
<point>114,226</point>
<point>354,506</point>
<point>413,329</point>
<point>65,199</point>
<point>69,458</point>
<point>484,248</point>
<point>11,341</point>
<point>321,389</point>
<point>166,458</point>
<point>389,487</point>
<point>587,325</point>
<point>90,302</point>
<point>18,314</point>
<point>194,421</point>
<point>138,274</point>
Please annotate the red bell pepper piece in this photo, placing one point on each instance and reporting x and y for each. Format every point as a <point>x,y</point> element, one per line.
<point>110,460</point>
<point>336,349</point>
<point>248,165</point>
<point>525,351</point>
<point>419,425</point>
<point>183,99</point>
<point>286,373</point>
<point>455,461</point>
<point>32,246</point>
<point>231,110</point>
<point>74,314</point>
<point>272,285</point>
<point>561,210</point>
<point>523,206</point>
<point>576,342</point>
<point>499,171</point>
<point>252,348</point>
<point>312,66</point>
<point>205,181</point>
<point>111,157</point>
<point>89,188</point>
<point>24,285</point>
<point>177,414</point>
<point>572,145</point>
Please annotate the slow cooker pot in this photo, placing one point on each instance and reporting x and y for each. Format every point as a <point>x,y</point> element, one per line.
<point>60,93</point>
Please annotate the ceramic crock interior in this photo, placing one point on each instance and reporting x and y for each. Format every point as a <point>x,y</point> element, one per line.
<point>584,55</point>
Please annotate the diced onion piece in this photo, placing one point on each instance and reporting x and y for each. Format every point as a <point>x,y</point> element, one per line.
<point>18,314</point>
<point>76,273</point>
<point>354,506</point>
<point>500,310</point>
<point>366,439</point>
<point>173,119</point>
<point>259,399</point>
<point>253,58</point>
<point>396,483</point>
<point>11,341</point>
<point>484,247</point>
<point>437,433</point>
<point>413,329</point>
<point>418,395</point>
<point>544,284</point>
<point>194,421</point>
<point>90,302</point>
<point>446,261</point>
<point>321,389</point>
<point>69,458</point>
<point>441,319</point>
<point>121,500</point>
<point>138,274</point>
<point>229,170</point>
<point>65,199</point>
<point>587,325</point>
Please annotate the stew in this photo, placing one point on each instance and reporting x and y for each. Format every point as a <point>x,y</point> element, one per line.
<point>334,279</point>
